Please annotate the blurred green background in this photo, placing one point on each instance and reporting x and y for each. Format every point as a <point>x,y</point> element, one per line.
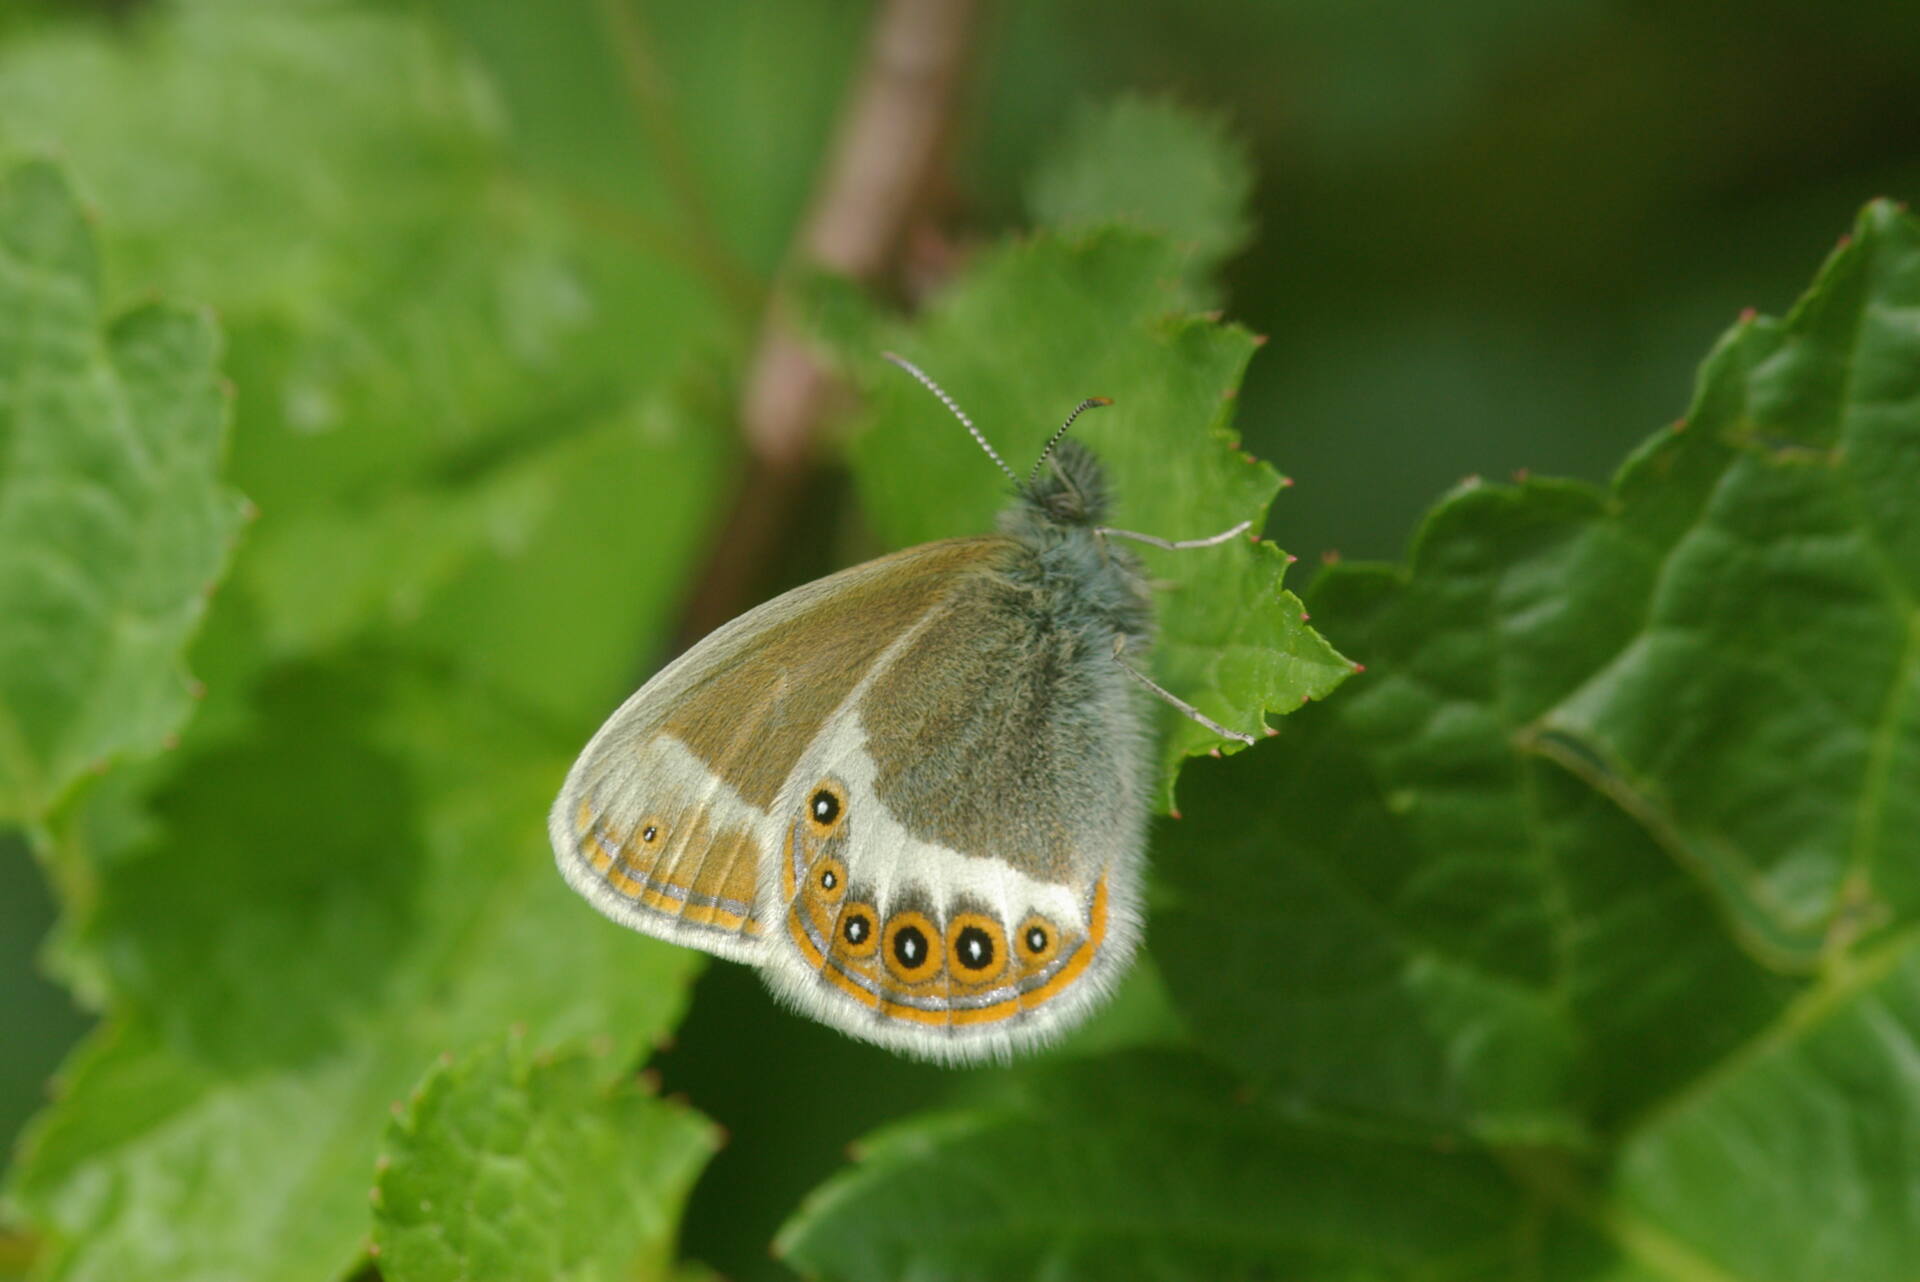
<point>1487,236</point>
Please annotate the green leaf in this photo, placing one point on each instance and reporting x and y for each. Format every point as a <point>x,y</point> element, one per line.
<point>114,525</point>
<point>457,389</point>
<point>355,881</point>
<point>1027,333</point>
<point>1146,1166</point>
<point>1795,1158</point>
<point>506,1165</point>
<point>1154,165</point>
<point>1602,738</point>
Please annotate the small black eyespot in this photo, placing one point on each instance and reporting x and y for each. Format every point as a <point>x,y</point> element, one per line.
<point>856,928</point>
<point>826,807</point>
<point>974,948</point>
<point>909,947</point>
<point>827,880</point>
<point>1036,940</point>
<point>648,833</point>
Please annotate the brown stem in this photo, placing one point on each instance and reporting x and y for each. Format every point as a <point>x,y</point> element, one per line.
<point>884,159</point>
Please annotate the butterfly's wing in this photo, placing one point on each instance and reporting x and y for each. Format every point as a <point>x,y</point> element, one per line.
<point>960,845</point>
<point>668,821</point>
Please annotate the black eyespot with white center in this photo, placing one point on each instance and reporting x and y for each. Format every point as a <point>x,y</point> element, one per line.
<point>909,947</point>
<point>650,834</point>
<point>828,880</point>
<point>825,812</point>
<point>1036,940</point>
<point>973,949</point>
<point>857,935</point>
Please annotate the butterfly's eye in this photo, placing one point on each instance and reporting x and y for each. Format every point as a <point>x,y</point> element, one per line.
<point>977,946</point>
<point>1038,941</point>
<point>912,947</point>
<point>826,807</point>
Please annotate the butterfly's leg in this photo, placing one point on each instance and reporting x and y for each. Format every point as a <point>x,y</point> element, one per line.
<point>1212,540</point>
<point>1186,709</point>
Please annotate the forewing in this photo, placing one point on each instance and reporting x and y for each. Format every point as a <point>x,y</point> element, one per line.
<point>666,823</point>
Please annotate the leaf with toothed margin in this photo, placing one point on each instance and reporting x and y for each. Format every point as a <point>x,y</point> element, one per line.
<point>1624,770</point>
<point>114,524</point>
<point>352,881</point>
<point>511,1165</point>
<point>1030,330</point>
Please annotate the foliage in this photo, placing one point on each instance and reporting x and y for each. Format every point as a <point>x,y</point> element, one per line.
<point>1573,940</point>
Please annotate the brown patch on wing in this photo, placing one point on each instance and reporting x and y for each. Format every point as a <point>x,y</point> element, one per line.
<point>785,686</point>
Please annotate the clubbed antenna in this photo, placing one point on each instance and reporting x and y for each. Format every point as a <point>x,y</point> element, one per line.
<point>1091,403</point>
<point>947,401</point>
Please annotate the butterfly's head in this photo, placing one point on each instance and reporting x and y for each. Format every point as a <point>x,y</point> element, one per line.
<point>1068,488</point>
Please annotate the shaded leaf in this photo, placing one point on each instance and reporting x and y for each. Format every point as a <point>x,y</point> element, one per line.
<point>1795,1158</point>
<point>1621,768</point>
<point>1146,1166</point>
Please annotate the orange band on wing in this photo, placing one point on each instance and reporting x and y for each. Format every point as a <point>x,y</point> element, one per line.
<point>663,894</point>
<point>1081,959</point>
<point>846,973</point>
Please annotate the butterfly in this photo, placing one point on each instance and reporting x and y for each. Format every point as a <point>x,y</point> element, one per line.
<point>913,793</point>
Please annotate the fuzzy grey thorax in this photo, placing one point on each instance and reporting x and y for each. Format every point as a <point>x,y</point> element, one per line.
<point>1079,575</point>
